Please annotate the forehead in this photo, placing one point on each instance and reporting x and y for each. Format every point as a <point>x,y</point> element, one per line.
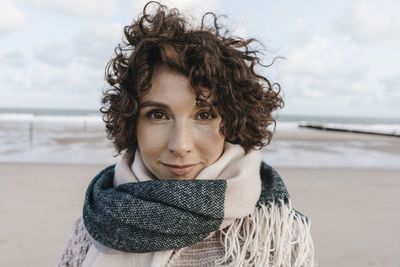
<point>168,86</point>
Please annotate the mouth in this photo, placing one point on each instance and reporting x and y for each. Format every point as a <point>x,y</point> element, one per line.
<point>179,169</point>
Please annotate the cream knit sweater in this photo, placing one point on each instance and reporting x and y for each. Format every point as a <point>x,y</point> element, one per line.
<point>204,253</point>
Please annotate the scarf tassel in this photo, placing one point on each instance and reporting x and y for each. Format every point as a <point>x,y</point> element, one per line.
<point>274,234</point>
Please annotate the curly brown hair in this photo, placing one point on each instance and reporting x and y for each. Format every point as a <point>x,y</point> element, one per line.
<point>216,64</point>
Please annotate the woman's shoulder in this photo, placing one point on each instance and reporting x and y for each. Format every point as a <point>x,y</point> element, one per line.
<point>76,247</point>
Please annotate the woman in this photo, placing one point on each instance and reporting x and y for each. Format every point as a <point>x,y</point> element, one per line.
<point>190,114</point>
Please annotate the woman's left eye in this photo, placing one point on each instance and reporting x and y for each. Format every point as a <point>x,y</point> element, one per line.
<point>156,115</point>
<point>205,115</point>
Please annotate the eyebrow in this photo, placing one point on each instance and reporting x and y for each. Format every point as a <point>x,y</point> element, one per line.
<point>199,104</point>
<point>150,103</point>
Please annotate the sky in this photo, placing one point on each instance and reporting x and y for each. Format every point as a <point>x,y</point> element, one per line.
<point>341,58</point>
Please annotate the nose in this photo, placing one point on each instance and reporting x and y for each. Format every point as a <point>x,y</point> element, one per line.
<point>180,140</point>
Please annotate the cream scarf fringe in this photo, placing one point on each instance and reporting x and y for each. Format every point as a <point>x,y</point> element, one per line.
<point>273,235</point>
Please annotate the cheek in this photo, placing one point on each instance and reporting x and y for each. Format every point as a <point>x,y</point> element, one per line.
<point>151,139</point>
<point>211,141</point>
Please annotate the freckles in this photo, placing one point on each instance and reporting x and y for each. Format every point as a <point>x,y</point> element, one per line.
<point>216,131</point>
<point>144,135</point>
<point>212,134</point>
<point>151,137</point>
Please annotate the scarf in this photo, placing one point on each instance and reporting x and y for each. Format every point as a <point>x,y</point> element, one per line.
<point>137,213</point>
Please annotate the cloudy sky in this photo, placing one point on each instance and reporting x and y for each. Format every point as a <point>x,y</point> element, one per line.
<point>342,57</point>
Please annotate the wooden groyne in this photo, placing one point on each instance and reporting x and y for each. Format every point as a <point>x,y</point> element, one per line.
<point>328,127</point>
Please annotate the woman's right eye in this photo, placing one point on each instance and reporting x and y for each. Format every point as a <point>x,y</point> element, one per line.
<point>156,115</point>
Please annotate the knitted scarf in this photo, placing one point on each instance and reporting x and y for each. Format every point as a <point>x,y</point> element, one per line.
<point>149,215</point>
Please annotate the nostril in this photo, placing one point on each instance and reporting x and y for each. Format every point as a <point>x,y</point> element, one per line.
<point>180,141</point>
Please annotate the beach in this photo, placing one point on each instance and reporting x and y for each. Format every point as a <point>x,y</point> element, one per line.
<point>353,209</point>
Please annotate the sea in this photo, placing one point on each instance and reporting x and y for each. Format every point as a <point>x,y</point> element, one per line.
<point>78,137</point>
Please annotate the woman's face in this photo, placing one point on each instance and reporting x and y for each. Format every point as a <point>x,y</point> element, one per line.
<point>177,137</point>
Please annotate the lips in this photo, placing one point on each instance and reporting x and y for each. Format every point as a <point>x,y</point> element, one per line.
<point>179,169</point>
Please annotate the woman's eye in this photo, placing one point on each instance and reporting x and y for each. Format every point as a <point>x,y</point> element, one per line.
<point>206,115</point>
<point>156,115</point>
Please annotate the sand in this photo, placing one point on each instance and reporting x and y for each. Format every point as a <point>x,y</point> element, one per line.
<point>39,203</point>
<point>354,212</point>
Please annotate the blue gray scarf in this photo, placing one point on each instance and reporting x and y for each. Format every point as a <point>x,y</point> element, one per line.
<point>162,214</point>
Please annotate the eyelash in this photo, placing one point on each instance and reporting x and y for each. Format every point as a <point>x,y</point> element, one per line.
<point>152,113</point>
<point>212,115</point>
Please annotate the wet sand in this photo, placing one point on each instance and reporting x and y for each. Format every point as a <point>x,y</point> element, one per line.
<point>354,212</point>
<point>385,144</point>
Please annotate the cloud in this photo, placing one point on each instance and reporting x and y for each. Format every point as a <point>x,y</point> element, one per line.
<point>325,57</point>
<point>95,44</point>
<point>14,59</point>
<point>61,73</point>
<point>392,83</point>
<point>76,85</point>
<point>373,22</point>
<point>96,8</point>
<point>11,17</point>
<point>333,75</point>
<point>364,98</point>
<point>76,77</point>
<point>57,53</point>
